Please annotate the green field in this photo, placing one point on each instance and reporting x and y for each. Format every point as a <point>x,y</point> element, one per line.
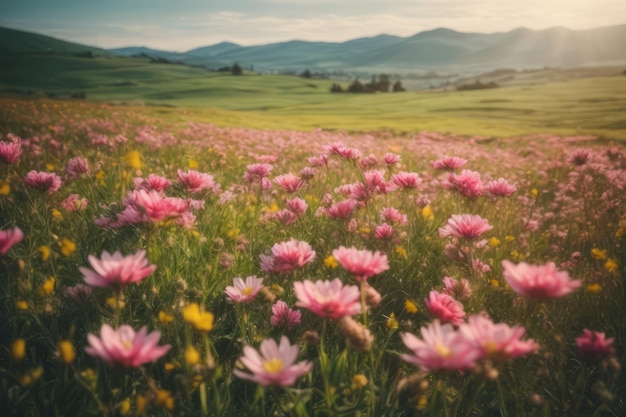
<point>547,101</point>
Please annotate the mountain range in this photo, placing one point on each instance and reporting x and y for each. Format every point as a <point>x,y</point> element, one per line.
<point>434,50</point>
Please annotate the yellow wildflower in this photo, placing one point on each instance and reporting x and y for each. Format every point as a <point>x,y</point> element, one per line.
<point>410,306</point>
<point>45,252</point>
<point>610,265</point>
<point>359,381</point>
<point>99,175</point>
<point>494,242</point>
<point>593,288</point>
<point>509,238</point>
<point>169,367</point>
<point>427,213</point>
<point>67,352</point>
<point>67,247</point>
<point>49,167</point>
<point>125,406</point>
<point>47,287</point>
<point>402,252</point>
<point>192,356</point>
<point>5,187</point>
<point>57,215</point>
<point>516,255</point>
<point>365,230</point>
<point>193,164</point>
<point>32,376</point>
<point>202,321</point>
<point>165,317</point>
<point>18,349</point>
<point>140,404</point>
<point>273,208</point>
<point>598,254</point>
<point>392,322</point>
<point>165,399</point>
<point>495,283</point>
<point>534,192</point>
<point>21,305</point>
<point>111,302</point>
<point>331,262</point>
<point>133,158</point>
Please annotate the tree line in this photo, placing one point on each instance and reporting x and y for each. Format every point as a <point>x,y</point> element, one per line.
<point>382,84</point>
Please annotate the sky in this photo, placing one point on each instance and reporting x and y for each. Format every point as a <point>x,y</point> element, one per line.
<point>181,25</point>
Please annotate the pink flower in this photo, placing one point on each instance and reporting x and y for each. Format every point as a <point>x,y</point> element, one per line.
<point>77,166</point>
<point>196,182</point>
<point>500,188</point>
<point>285,216</point>
<point>10,152</point>
<point>406,180</point>
<point>283,316</point>
<point>244,291</point>
<point>441,349</point>
<point>383,232</point>
<point>465,226</point>
<point>116,271</point>
<point>538,281</point>
<point>73,202</point>
<point>156,206</point>
<point>579,156</point>
<point>460,290</point>
<point>328,299</point>
<point>79,293</point>
<point>319,161</point>
<point>153,182</point>
<point>338,148</point>
<point>341,210</point>
<point>391,158</point>
<point>297,205</point>
<point>594,345</point>
<point>445,308</point>
<point>273,364</point>
<point>290,182</point>
<point>496,341</point>
<point>362,264</point>
<point>287,256</point>
<point>8,238</point>
<point>392,215</point>
<point>256,172</point>
<point>467,183</point>
<point>43,181</point>
<point>125,348</point>
<point>449,163</point>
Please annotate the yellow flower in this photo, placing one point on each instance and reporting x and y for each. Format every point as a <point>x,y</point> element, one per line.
<point>67,352</point>
<point>202,321</point>
<point>18,349</point>
<point>21,305</point>
<point>509,238</point>
<point>125,406</point>
<point>165,399</point>
<point>331,262</point>
<point>365,230</point>
<point>402,252</point>
<point>169,367</point>
<point>32,376</point>
<point>99,175</point>
<point>192,356</point>
<point>392,322</point>
<point>57,215</point>
<point>427,213</point>
<point>610,265</point>
<point>598,254</point>
<point>45,252</point>
<point>494,242</point>
<point>495,283</point>
<point>111,301</point>
<point>193,164</point>
<point>410,306</point>
<point>233,233</point>
<point>516,255</point>
<point>140,404</point>
<point>49,167</point>
<point>67,247</point>
<point>133,158</point>
<point>359,381</point>
<point>47,287</point>
<point>534,192</point>
<point>5,187</point>
<point>593,288</point>
<point>273,208</point>
<point>165,317</point>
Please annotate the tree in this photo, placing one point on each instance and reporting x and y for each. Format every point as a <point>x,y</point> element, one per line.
<point>383,83</point>
<point>335,88</point>
<point>356,87</point>
<point>397,87</point>
<point>236,69</point>
<point>306,74</point>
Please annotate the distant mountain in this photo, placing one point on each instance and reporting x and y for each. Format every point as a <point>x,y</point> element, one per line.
<point>434,50</point>
<point>19,42</point>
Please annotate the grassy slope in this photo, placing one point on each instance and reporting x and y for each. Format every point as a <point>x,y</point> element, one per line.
<point>573,106</point>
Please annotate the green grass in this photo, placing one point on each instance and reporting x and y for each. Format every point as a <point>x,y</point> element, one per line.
<point>593,105</point>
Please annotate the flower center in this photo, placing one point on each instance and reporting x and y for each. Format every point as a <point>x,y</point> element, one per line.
<point>128,345</point>
<point>443,351</point>
<point>247,291</point>
<point>273,365</point>
<point>491,346</point>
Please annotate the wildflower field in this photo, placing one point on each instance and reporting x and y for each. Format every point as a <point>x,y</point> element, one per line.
<point>157,267</point>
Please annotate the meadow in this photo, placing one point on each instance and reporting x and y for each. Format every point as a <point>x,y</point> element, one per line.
<point>155,263</point>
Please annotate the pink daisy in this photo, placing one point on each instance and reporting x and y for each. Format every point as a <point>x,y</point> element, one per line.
<point>449,163</point>
<point>465,226</point>
<point>362,264</point>
<point>287,256</point>
<point>594,345</point>
<point>445,308</point>
<point>196,182</point>
<point>8,238</point>
<point>328,299</point>
<point>283,316</point>
<point>244,291</point>
<point>116,271</point>
<point>289,182</point>
<point>538,281</point>
<point>43,181</point>
<point>500,188</point>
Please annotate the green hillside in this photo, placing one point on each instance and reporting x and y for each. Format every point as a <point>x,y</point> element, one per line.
<point>18,42</point>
